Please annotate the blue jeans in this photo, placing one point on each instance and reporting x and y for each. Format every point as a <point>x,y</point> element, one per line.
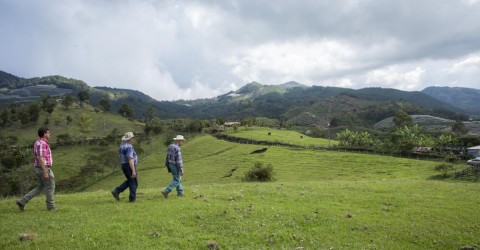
<point>130,183</point>
<point>177,180</point>
<point>42,185</point>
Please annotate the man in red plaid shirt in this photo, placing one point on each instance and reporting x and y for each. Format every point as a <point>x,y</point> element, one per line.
<point>43,172</point>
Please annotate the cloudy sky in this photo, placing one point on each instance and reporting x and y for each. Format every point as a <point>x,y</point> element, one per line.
<point>175,49</point>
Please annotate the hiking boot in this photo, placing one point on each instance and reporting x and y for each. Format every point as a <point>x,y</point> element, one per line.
<point>20,206</point>
<point>181,195</point>
<point>115,195</point>
<point>52,209</point>
<point>165,194</point>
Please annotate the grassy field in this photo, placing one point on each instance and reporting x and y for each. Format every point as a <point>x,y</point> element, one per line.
<point>320,200</point>
<point>101,125</point>
<point>280,136</point>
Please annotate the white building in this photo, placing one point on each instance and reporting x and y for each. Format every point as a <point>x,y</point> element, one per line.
<point>474,151</point>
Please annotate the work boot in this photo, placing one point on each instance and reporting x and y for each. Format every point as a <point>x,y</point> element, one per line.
<point>165,194</point>
<point>20,206</point>
<point>115,195</point>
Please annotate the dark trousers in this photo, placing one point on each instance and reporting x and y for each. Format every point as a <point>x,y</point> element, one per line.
<point>130,183</point>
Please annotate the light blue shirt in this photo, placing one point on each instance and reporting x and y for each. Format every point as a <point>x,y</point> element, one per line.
<point>127,152</point>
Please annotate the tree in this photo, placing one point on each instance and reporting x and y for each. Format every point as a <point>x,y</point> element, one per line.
<point>444,168</point>
<point>29,114</point>
<point>178,125</point>
<point>247,122</point>
<point>219,121</point>
<point>344,137</point>
<point>446,140</point>
<point>23,116</point>
<point>85,122</point>
<point>83,96</point>
<point>104,104</point>
<point>44,98</point>
<point>64,139</point>
<point>357,139</point>
<point>47,104</point>
<point>69,119</point>
<point>51,107</point>
<point>150,113</point>
<point>196,126</point>
<point>154,126</point>
<point>5,117</point>
<point>126,111</point>
<point>402,119</point>
<point>67,101</point>
<point>405,138</point>
<point>459,128</point>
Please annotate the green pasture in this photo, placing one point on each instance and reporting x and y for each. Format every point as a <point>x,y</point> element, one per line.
<point>279,136</point>
<point>320,200</point>
<point>208,161</point>
<point>102,124</point>
<point>278,215</point>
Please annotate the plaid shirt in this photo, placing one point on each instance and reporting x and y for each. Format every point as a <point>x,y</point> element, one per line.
<point>41,148</point>
<point>174,156</point>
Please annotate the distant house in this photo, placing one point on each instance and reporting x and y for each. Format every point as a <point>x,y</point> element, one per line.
<point>422,149</point>
<point>474,151</point>
<point>231,124</point>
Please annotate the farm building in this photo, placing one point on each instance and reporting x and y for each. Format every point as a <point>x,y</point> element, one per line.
<point>474,151</point>
<point>231,124</point>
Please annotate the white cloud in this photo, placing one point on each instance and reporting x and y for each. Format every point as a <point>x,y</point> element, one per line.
<point>471,63</point>
<point>190,49</point>
<point>298,60</point>
<point>471,2</point>
<point>395,77</point>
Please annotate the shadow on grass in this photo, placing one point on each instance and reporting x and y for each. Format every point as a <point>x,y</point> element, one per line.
<point>450,177</point>
<point>440,177</point>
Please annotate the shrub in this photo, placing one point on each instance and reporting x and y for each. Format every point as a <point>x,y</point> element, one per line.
<point>259,173</point>
<point>64,139</point>
<point>444,167</point>
<point>451,158</point>
<point>9,162</point>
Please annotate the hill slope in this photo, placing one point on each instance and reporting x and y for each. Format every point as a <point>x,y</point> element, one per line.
<point>467,99</point>
<point>321,200</point>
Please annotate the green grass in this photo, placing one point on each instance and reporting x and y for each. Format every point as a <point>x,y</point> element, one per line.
<point>320,200</point>
<point>280,136</point>
<point>313,215</point>
<point>102,124</point>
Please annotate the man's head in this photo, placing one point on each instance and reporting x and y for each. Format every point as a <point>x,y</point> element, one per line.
<point>43,132</point>
<point>179,139</point>
<point>127,136</point>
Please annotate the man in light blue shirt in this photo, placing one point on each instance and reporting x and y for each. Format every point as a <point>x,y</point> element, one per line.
<point>129,160</point>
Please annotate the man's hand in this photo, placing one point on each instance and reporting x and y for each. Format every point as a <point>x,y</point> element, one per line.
<point>45,175</point>
<point>134,174</point>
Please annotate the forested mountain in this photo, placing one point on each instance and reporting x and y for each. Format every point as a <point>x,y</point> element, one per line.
<point>467,99</point>
<point>292,103</point>
<point>19,90</point>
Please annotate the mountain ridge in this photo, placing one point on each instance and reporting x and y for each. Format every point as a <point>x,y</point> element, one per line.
<point>292,102</point>
<point>467,99</point>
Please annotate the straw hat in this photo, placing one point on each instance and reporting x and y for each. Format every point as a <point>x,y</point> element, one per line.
<point>127,136</point>
<point>179,138</point>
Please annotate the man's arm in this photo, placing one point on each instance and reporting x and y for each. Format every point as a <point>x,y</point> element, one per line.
<point>132,167</point>
<point>42,166</point>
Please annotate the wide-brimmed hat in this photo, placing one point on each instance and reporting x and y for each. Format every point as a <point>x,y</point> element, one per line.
<point>179,138</point>
<point>127,136</point>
